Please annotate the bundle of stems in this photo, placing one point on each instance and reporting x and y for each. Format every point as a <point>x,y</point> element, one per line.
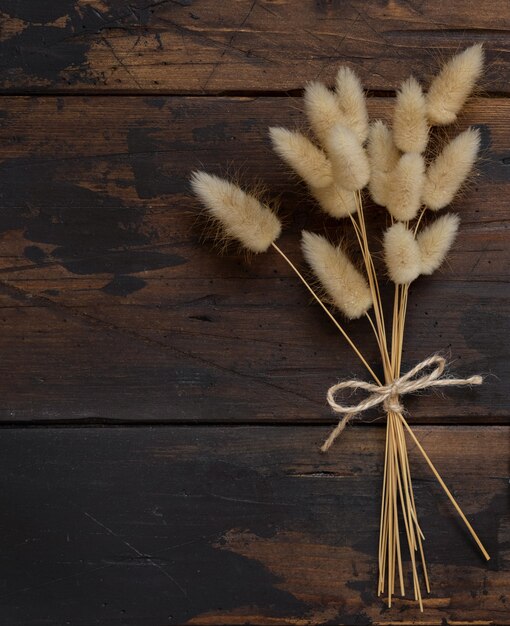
<point>406,178</point>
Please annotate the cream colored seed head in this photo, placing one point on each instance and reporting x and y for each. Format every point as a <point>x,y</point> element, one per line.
<point>351,101</point>
<point>241,215</point>
<point>451,87</point>
<point>344,284</point>
<point>401,254</point>
<point>410,126</point>
<point>405,186</point>
<point>450,169</point>
<point>382,152</point>
<point>303,156</point>
<point>435,241</point>
<point>383,157</point>
<point>335,201</point>
<point>348,158</point>
<point>378,187</point>
<point>322,109</point>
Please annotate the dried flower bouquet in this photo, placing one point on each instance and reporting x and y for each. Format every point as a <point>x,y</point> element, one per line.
<point>396,166</point>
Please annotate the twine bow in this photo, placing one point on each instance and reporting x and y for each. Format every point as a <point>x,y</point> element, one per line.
<point>388,395</point>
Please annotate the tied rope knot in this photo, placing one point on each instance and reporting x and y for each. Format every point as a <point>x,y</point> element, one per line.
<point>390,402</point>
<point>388,395</point>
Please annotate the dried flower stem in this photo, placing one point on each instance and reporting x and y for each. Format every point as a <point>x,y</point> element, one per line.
<point>401,489</point>
<point>397,485</point>
<point>418,221</point>
<point>361,233</point>
<point>402,307</point>
<point>397,465</point>
<point>397,482</point>
<point>445,488</point>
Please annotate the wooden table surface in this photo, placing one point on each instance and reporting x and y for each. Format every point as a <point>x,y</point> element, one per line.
<point>162,406</point>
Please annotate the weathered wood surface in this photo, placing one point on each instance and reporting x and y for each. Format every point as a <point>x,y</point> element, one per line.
<point>247,525</point>
<point>113,310</point>
<point>186,46</point>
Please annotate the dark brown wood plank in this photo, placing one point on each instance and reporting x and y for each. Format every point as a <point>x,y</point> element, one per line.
<point>179,46</point>
<point>247,525</point>
<point>113,309</point>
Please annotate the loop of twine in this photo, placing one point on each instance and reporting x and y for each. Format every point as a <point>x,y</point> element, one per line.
<point>388,395</point>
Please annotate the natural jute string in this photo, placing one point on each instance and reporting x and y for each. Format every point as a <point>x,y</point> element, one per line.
<point>388,395</point>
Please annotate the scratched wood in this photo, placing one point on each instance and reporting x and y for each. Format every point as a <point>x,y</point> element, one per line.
<point>248,525</point>
<point>113,310</point>
<point>186,46</point>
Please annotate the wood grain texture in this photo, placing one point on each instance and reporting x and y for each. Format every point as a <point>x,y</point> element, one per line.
<point>114,310</point>
<point>186,46</point>
<point>246,525</point>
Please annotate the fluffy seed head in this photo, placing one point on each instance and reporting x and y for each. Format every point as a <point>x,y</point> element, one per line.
<point>378,187</point>
<point>344,284</point>
<point>450,169</point>
<point>383,157</point>
<point>303,156</point>
<point>351,101</point>
<point>382,152</point>
<point>451,87</point>
<point>348,158</point>
<point>335,201</point>
<point>401,254</point>
<point>241,215</point>
<point>435,240</point>
<point>322,109</point>
<point>410,126</point>
<point>405,186</point>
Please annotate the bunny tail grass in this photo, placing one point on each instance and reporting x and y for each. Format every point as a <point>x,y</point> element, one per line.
<point>410,125</point>
<point>451,87</point>
<point>351,101</point>
<point>383,156</point>
<point>382,152</point>
<point>405,186</point>
<point>335,201</point>
<point>241,216</point>
<point>435,240</point>
<point>401,254</point>
<point>302,156</point>
<point>344,284</point>
<point>351,169</point>
<point>322,110</point>
<point>450,169</point>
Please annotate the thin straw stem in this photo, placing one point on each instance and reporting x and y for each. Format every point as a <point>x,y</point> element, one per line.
<point>418,221</point>
<point>361,234</point>
<point>445,488</point>
<point>382,543</point>
<point>420,535</point>
<point>374,329</point>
